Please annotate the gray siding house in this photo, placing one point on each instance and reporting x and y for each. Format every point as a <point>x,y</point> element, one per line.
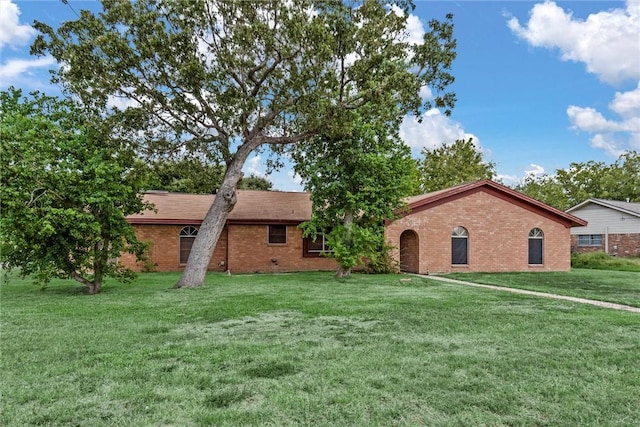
<point>613,227</point>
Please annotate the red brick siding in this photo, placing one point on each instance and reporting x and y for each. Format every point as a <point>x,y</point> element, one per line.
<point>623,245</point>
<point>163,253</point>
<point>498,236</point>
<point>248,252</point>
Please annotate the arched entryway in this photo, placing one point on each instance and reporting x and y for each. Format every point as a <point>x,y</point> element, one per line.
<point>409,253</point>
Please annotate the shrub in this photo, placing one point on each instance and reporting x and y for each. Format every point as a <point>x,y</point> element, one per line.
<point>603,261</point>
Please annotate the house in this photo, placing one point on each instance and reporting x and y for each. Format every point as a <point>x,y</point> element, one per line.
<point>260,235</point>
<point>614,227</point>
<point>481,226</point>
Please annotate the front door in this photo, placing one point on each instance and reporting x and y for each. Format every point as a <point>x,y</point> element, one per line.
<point>409,253</point>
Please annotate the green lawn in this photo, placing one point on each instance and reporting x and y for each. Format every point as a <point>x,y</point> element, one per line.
<point>622,287</point>
<point>307,349</point>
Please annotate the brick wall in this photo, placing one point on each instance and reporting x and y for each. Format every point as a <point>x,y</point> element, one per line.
<point>498,235</point>
<point>248,251</point>
<point>623,245</point>
<point>163,253</point>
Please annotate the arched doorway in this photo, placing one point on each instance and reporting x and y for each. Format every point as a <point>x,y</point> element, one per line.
<point>409,253</point>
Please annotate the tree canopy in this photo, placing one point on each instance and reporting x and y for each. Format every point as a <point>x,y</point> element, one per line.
<point>226,77</point>
<point>451,165</point>
<point>185,174</point>
<point>66,189</point>
<point>583,180</point>
<point>357,179</point>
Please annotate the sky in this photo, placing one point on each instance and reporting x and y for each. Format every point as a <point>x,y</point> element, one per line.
<point>540,84</point>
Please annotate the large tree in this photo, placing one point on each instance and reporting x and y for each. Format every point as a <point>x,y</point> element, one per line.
<point>66,189</point>
<point>619,180</point>
<point>227,77</point>
<point>453,164</point>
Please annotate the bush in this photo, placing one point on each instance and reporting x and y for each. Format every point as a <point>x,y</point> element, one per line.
<point>603,261</point>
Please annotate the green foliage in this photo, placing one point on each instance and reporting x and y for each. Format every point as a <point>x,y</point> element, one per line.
<point>357,179</point>
<point>66,189</point>
<point>581,181</point>
<point>254,182</point>
<point>451,165</point>
<point>382,262</point>
<point>602,261</point>
<point>186,174</point>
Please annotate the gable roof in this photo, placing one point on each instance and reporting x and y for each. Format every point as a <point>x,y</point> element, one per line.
<point>629,208</point>
<point>429,200</point>
<point>253,207</point>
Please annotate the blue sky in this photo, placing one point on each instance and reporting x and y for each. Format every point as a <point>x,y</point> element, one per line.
<point>539,84</point>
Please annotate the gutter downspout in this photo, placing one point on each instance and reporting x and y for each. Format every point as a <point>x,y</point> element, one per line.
<point>606,239</point>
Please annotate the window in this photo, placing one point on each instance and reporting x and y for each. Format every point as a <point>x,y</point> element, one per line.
<point>315,248</point>
<point>590,240</point>
<point>187,236</point>
<point>318,245</point>
<point>536,240</point>
<point>277,234</point>
<point>460,246</point>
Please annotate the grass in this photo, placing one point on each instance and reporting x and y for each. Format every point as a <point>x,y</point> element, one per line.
<point>308,349</point>
<point>604,261</point>
<point>622,287</point>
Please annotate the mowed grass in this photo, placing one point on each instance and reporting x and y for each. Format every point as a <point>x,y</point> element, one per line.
<point>308,349</point>
<point>622,287</point>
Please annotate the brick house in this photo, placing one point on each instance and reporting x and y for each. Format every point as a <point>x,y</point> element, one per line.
<point>261,233</point>
<point>614,227</point>
<point>481,226</point>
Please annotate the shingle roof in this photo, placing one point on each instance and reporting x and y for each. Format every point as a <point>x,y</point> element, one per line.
<point>424,201</point>
<point>252,207</point>
<point>631,208</point>
<point>256,207</point>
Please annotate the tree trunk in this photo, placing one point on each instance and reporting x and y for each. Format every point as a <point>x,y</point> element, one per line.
<point>209,232</point>
<point>92,287</point>
<point>344,271</point>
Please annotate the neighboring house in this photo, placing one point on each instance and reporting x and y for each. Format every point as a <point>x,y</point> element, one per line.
<point>614,227</point>
<point>481,226</point>
<point>261,234</point>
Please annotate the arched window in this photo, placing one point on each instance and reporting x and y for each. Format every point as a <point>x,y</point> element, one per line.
<point>187,236</point>
<point>459,246</point>
<point>536,240</point>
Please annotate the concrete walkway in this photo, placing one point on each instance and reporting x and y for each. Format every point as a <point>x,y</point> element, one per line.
<point>537,294</point>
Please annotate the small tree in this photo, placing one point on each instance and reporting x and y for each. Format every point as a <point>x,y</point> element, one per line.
<point>451,165</point>
<point>357,179</point>
<point>66,190</point>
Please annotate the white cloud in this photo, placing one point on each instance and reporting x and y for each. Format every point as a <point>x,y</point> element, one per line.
<point>15,68</point>
<point>607,42</point>
<point>12,33</point>
<point>534,171</point>
<point>612,136</point>
<point>255,166</point>
<point>435,130</point>
<point>414,29</point>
